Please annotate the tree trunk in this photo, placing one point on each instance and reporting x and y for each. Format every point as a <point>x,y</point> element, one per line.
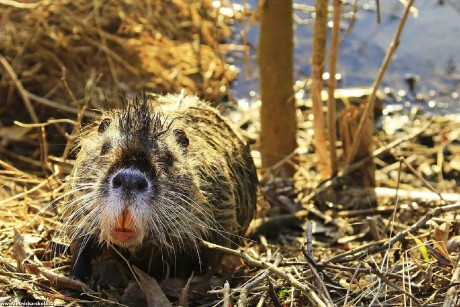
<point>278,113</point>
<point>331,105</point>
<point>317,68</point>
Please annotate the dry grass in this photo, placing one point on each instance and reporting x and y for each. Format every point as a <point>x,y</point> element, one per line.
<point>70,52</point>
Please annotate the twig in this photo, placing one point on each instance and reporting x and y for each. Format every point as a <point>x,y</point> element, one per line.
<point>351,252</point>
<point>370,101</point>
<point>358,269</point>
<point>351,282</point>
<point>311,295</point>
<point>227,295</point>
<point>314,269</point>
<point>356,165</point>
<point>391,220</point>
<point>58,106</point>
<point>389,243</point>
<point>243,299</point>
<point>20,88</point>
<point>20,5</point>
<point>47,123</point>
<point>57,280</point>
<point>423,180</point>
<point>309,241</point>
<point>452,293</point>
<point>352,21</point>
<point>382,277</point>
<point>267,171</point>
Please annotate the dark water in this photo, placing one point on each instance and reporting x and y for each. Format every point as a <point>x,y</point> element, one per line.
<point>429,53</point>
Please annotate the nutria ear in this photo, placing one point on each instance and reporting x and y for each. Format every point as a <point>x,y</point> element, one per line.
<point>181,138</point>
<point>103,125</point>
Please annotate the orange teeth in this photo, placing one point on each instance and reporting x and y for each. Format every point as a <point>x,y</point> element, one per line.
<point>124,221</point>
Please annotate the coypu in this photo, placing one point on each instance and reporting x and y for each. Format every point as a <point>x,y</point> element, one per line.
<point>152,180</point>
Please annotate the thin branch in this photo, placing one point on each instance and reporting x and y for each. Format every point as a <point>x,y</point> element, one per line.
<point>370,102</point>
<point>352,22</point>
<point>58,106</point>
<point>19,5</point>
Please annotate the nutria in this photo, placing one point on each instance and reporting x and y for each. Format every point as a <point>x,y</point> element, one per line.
<point>155,178</point>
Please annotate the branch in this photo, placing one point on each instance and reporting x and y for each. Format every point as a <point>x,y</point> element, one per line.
<point>311,295</point>
<point>352,167</point>
<point>386,61</point>
<point>414,228</point>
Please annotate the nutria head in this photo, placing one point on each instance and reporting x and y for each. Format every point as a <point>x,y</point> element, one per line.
<point>135,182</point>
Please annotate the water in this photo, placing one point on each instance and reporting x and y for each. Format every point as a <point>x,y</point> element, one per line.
<point>429,53</point>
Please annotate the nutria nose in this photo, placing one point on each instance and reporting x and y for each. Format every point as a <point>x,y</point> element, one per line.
<point>130,180</point>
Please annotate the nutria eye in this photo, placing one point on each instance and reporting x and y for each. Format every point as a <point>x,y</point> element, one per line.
<point>104,124</point>
<point>181,138</point>
<point>105,148</point>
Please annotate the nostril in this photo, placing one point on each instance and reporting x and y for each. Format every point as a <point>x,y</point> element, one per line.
<point>117,181</point>
<point>142,184</point>
<point>130,180</point>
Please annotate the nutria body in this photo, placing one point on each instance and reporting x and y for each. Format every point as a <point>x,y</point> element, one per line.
<point>153,179</point>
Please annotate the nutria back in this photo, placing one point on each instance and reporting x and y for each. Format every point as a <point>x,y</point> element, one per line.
<point>158,176</point>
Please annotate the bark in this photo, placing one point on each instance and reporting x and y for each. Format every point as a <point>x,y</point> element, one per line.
<point>349,120</point>
<point>278,113</point>
<point>331,106</point>
<point>317,68</point>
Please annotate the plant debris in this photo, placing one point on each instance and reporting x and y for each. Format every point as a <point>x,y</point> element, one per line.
<point>59,54</point>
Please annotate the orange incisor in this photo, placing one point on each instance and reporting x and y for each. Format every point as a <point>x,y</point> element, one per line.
<point>124,221</point>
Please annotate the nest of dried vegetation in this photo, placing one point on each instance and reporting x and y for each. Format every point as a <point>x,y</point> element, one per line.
<point>320,244</point>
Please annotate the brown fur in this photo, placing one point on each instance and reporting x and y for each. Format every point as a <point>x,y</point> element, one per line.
<point>202,182</point>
